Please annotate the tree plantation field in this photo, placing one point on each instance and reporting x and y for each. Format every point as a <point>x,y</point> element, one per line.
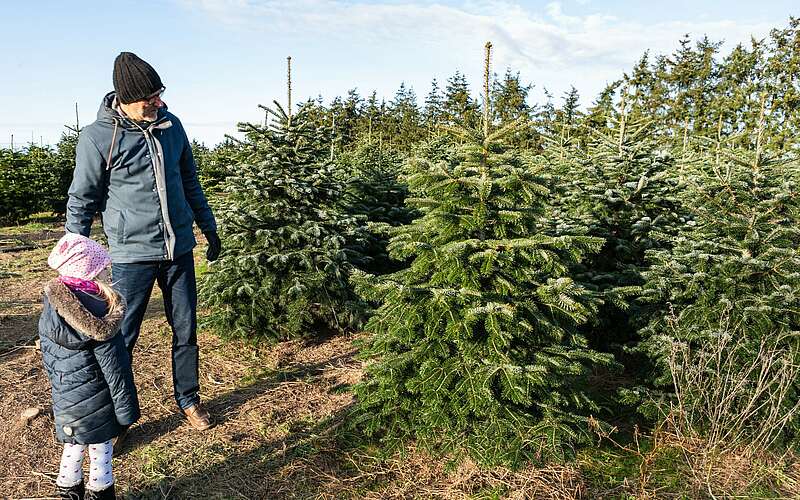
<point>280,408</point>
<point>474,296</point>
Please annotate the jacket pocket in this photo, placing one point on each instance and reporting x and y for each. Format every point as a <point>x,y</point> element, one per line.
<point>188,213</point>
<point>114,225</point>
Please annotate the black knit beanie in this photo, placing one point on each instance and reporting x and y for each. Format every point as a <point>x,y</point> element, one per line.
<point>134,79</point>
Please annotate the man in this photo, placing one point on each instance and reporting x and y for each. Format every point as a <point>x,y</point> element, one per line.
<point>134,165</point>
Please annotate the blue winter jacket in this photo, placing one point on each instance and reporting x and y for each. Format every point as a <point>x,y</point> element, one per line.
<point>143,180</point>
<point>89,368</point>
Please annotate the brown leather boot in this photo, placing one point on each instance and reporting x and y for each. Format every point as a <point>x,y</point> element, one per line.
<point>198,417</point>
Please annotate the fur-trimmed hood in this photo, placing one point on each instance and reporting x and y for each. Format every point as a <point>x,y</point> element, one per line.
<point>70,308</point>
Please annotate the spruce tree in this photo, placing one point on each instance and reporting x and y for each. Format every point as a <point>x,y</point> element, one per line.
<point>475,345</point>
<point>433,110</point>
<point>405,119</point>
<point>61,171</point>
<point>288,246</point>
<point>459,107</point>
<point>600,113</point>
<point>510,103</point>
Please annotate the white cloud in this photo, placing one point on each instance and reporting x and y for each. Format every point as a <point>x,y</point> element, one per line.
<point>376,44</point>
<point>529,40</point>
<point>550,46</point>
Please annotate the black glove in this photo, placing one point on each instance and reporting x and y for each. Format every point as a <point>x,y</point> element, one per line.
<point>214,245</point>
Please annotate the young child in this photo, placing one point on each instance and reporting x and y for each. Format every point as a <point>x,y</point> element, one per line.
<point>94,397</point>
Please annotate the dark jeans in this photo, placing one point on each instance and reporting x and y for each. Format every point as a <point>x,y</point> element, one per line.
<point>134,281</point>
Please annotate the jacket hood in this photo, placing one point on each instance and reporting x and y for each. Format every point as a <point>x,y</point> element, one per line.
<point>107,114</point>
<point>76,315</point>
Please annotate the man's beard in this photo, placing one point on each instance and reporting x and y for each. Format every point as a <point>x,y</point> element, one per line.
<point>151,115</point>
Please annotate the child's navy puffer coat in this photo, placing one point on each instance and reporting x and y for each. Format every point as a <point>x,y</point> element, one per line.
<point>94,396</point>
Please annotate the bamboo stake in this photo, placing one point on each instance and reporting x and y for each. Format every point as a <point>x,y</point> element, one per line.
<point>718,149</point>
<point>623,119</point>
<point>333,134</point>
<point>685,133</point>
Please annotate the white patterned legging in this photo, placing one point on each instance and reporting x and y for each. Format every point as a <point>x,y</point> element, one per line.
<point>100,475</point>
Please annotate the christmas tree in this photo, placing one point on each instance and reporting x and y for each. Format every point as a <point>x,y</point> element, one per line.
<point>288,247</point>
<point>622,187</point>
<point>476,345</point>
<point>729,296</point>
<point>375,194</point>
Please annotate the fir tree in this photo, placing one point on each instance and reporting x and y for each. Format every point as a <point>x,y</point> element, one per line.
<point>475,344</point>
<point>510,103</point>
<point>569,113</point>
<point>60,172</point>
<point>601,112</point>
<point>433,111</point>
<point>288,248</point>
<point>371,121</point>
<point>733,272</point>
<point>621,187</point>
<point>406,123</point>
<point>510,98</point>
<point>459,107</point>
<point>375,194</point>
<point>213,165</point>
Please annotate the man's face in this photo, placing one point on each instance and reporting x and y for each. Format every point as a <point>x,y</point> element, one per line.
<point>146,109</point>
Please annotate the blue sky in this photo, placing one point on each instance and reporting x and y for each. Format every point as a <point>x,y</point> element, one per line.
<point>221,58</point>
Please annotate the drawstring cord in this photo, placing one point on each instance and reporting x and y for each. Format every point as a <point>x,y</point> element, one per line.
<point>113,140</point>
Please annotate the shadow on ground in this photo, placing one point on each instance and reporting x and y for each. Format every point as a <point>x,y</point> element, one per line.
<point>302,464</point>
<point>275,438</point>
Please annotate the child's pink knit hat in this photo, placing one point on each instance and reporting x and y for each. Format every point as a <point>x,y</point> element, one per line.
<point>77,256</point>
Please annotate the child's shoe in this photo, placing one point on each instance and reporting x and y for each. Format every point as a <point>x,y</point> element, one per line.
<point>106,494</point>
<point>70,492</point>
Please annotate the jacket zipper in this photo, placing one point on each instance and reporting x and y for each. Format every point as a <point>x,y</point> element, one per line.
<point>148,139</point>
<point>165,232</point>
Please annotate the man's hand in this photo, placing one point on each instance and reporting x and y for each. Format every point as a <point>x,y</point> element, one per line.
<point>214,245</point>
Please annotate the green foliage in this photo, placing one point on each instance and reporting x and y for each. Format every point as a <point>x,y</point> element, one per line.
<point>458,107</point>
<point>475,344</point>
<point>35,179</point>
<point>16,188</point>
<point>288,248</point>
<point>375,194</point>
<point>622,187</point>
<point>61,169</point>
<point>213,164</point>
<point>734,272</point>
